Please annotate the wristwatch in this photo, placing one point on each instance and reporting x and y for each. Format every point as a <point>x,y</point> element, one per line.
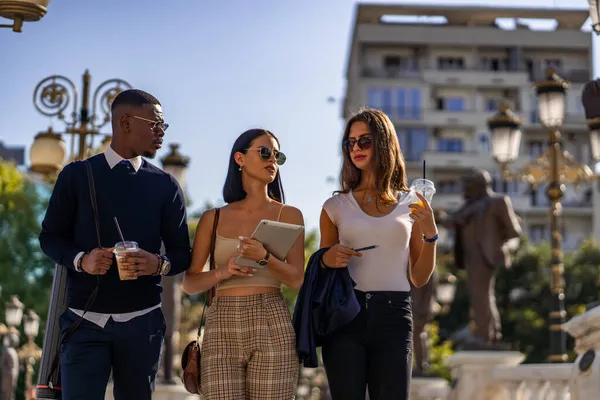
<point>164,267</point>
<point>265,260</point>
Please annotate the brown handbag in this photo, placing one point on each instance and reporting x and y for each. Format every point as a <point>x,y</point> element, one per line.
<point>190,359</point>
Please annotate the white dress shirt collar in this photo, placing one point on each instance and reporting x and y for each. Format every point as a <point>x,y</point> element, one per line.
<point>112,158</point>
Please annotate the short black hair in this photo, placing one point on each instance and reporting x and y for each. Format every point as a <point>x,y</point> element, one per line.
<point>134,97</point>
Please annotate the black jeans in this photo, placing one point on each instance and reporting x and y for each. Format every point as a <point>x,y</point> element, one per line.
<point>374,350</point>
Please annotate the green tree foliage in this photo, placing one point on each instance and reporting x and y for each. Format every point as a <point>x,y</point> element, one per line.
<point>24,270</point>
<point>524,298</point>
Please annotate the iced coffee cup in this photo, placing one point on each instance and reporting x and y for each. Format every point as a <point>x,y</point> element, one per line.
<point>122,249</point>
<point>425,187</point>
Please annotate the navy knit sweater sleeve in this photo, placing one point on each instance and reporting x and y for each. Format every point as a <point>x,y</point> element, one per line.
<point>174,230</point>
<point>56,237</point>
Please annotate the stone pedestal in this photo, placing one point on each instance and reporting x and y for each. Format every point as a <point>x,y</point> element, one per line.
<point>584,383</point>
<point>472,373</point>
<point>428,388</point>
<point>162,392</point>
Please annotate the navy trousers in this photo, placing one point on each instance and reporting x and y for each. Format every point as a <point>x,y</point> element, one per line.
<point>130,349</point>
<point>374,350</point>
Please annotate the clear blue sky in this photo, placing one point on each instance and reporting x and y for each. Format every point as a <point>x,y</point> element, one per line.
<point>218,67</point>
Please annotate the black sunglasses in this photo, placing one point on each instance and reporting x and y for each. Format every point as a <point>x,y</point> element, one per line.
<point>265,153</point>
<point>364,143</point>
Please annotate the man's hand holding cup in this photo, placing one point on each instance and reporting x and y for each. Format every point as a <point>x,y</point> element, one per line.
<point>98,261</point>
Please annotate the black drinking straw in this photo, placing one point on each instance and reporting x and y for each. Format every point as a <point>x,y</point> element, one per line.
<point>424,162</point>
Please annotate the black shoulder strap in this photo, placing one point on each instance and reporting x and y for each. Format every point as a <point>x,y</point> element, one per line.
<point>92,187</point>
<point>212,291</point>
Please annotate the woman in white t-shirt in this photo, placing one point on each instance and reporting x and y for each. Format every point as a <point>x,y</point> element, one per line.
<point>375,207</point>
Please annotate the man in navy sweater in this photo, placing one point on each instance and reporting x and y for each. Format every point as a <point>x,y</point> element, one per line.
<point>123,329</point>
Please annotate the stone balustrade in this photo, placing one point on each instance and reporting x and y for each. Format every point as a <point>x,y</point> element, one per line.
<point>534,381</point>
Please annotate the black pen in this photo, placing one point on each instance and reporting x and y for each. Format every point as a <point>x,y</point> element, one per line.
<point>367,248</point>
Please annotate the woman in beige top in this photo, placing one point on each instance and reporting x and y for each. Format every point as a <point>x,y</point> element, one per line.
<point>248,349</point>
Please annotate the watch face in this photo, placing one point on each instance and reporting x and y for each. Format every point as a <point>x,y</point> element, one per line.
<point>262,262</point>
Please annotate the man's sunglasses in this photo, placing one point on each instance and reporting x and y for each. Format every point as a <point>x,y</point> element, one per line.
<point>364,143</point>
<point>156,125</point>
<point>265,153</point>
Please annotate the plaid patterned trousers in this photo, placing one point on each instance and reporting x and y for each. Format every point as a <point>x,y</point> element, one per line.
<point>249,349</point>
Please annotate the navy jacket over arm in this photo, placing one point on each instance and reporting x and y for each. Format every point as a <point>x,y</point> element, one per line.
<point>150,207</point>
<point>326,302</point>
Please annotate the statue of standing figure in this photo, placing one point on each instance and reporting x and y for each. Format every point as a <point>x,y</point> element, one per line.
<point>483,227</point>
<point>9,367</point>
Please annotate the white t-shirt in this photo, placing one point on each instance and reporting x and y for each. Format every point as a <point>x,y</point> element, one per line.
<point>386,267</point>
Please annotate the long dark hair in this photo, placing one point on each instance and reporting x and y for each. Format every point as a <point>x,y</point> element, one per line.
<point>388,161</point>
<point>233,189</point>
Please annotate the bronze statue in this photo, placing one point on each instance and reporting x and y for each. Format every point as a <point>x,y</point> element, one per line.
<point>9,367</point>
<point>483,226</point>
<point>424,309</point>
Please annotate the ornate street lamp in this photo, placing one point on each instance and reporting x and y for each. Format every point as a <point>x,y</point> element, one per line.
<point>175,164</point>
<point>53,97</point>
<point>445,291</point>
<point>506,136</point>
<point>595,15</point>
<point>13,312</point>
<point>590,98</point>
<point>22,11</point>
<point>47,154</point>
<point>30,352</point>
<point>554,167</point>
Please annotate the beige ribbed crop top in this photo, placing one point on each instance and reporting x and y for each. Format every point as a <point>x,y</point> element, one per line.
<point>224,249</point>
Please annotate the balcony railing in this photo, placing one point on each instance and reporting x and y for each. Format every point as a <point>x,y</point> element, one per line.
<point>571,118</point>
<point>391,72</point>
<point>504,76</point>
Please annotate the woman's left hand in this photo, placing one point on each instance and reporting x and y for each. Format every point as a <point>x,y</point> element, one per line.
<point>423,217</point>
<point>252,249</point>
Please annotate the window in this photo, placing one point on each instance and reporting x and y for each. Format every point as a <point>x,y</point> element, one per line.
<point>409,104</point>
<point>380,98</point>
<point>484,143</point>
<point>401,103</point>
<point>492,104</point>
<point>450,103</point>
<point>450,145</point>
<point>553,63</point>
<point>501,186</point>
<point>455,104</point>
<point>494,64</point>
<point>535,148</point>
<point>537,233</point>
<point>449,187</point>
<point>413,142</point>
<point>391,62</point>
<point>451,63</point>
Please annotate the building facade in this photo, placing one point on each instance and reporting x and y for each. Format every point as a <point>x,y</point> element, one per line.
<point>440,72</point>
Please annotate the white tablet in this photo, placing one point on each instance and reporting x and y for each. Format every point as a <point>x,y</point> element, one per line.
<point>277,237</point>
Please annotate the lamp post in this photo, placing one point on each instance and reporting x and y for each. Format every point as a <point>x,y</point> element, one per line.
<point>13,313</point>
<point>175,164</point>
<point>445,291</point>
<point>52,97</point>
<point>595,15</point>
<point>22,11</point>
<point>30,352</point>
<point>554,167</point>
